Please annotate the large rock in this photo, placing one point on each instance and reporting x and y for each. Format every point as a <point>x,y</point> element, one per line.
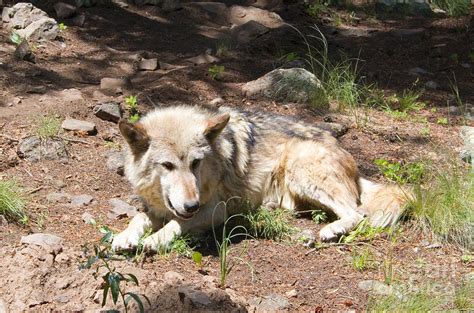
<point>35,149</point>
<point>239,15</point>
<point>247,32</point>
<point>30,22</point>
<point>211,11</point>
<point>64,10</point>
<point>288,85</point>
<point>467,150</point>
<point>21,15</point>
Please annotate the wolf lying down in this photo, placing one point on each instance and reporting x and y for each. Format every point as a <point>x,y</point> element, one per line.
<point>186,160</point>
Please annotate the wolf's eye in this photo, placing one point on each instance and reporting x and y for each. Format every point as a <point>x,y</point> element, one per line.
<point>195,163</point>
<point>168,165</point>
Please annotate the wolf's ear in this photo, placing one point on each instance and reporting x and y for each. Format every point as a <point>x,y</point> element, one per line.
<point>136,137</point>
<point>215,125</point>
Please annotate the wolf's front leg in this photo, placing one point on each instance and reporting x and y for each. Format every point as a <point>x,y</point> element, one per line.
<point>163,238</point>
<point>128,239</point>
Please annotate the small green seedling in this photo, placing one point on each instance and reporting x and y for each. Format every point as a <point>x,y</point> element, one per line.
<point>442,121</point>
<point>15,38</point>
<point>318,216</point>
<point>112,279</point>
<point>132,107</point>
<point>216,71</point>
<point>197,258</point>
<point>467,258</point>
<point>62,27</point>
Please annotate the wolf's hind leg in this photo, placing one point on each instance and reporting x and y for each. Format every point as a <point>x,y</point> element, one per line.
<point>128,239</point>
<point>324,176</point>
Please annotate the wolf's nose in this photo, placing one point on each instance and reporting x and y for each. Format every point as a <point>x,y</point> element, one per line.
<point>191,207</point>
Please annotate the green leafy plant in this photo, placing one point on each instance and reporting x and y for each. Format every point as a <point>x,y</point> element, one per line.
<point>180,245</point>
<point>362,260</point>
<point>363,232</point>
<point>216,71</point>
<point>197,258</point>
<point>270,224</point>
<point>12,201</point>
<point>401,173</point>
<point>48,126</point>
<point>15,38</point>
<point>317,8</point>
<point>223,48</point>
<point>131,104</point>
<point>112,279</point>
<point>467,258</point>
<point>442,121</point>
<point>224,242</point>
<point>318,216</point>
<point>62,27</point>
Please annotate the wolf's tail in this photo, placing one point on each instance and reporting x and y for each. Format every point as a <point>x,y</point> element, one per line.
<point>383,204</point>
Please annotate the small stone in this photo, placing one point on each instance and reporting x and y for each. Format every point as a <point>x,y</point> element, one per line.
<point>239,15</point>
<point>58,197</point>
<point>109,83</point>
<point>79,126</point>
<point>41,239</point>
<point>109,111</point>
<point>78,20</point>
<point>110,134</point>
<point>81,200</point>
<point>467,150</point>
<point>58,183</point>
<point>432,84</point>
<point>216,101</point>
<point>115,162</point>
<point>172,278</point>
<point>88,218</point>
<point>148,64</point>
<point>292,293</point>
<point>203,59</point>
<point>3,221</point>
<point>272,302</point>
<point>247,32</point>
<point>375,287</point>
<point>23,52</point>
<point>64,10</point>
<point>306,236</point>
<point>71,95</point>
<point>416,71</point>
<point>466,65</point>
<point>120,209</point>
<point>198,298</point>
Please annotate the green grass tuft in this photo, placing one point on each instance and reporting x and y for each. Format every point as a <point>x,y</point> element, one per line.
<point>270,224</point>
<point>362,260</point>
<point>48,126</point>
<point>444,206</point>
<point>12,201</point>
<point>418,301</point>
<point>455,8</point>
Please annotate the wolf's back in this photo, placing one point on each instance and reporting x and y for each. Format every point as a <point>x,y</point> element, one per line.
<point>382,203</point>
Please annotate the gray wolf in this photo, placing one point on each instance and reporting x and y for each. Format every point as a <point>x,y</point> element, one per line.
<point>184,161</point>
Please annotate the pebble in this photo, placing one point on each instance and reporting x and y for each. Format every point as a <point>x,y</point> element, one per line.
<point>79,125</point>
<point>432,84</point>
<point>121,209</point>
<point>108,83</point>
<point>108,111</point>
<point>148,64</point>
<point>81,200</point>
<point>88,218</point>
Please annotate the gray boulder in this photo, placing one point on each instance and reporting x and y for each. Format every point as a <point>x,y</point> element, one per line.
<point>287,85</point>
<point>35,149</point>
<point>30,22</point>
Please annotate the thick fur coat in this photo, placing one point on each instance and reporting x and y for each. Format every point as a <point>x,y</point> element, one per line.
<point>186,161</point>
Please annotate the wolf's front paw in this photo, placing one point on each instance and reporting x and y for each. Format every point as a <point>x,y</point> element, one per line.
<point>125,241</point>
<point>332,231</point>
<point>158,241</point>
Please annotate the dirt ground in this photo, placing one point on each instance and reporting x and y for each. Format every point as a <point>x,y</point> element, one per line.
<point>107,45</point>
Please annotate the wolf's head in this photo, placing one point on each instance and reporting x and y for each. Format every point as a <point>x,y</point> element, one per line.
<point>169,152</point>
